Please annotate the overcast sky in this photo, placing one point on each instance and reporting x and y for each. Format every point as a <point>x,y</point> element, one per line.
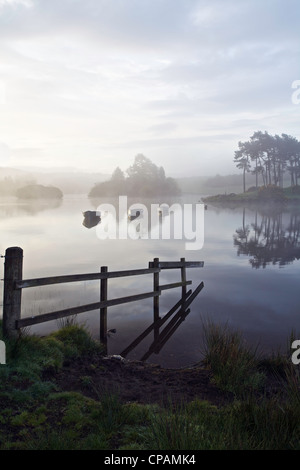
<point>91,83</point>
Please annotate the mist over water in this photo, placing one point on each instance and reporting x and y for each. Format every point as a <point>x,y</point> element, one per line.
<point>250,274</point>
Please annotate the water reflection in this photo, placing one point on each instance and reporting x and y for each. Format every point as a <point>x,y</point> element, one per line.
<point>56,243</point>
<point>161,336</point>
<point>12,207</point>
<point>269,238</point>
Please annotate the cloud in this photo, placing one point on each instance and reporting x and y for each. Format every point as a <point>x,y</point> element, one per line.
<point>92,81</point>
<point>16,3</point>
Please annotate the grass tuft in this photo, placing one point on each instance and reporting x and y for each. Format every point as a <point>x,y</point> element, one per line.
<point>233,363</point>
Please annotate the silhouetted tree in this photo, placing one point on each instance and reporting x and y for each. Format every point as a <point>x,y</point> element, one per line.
<point>118,175</point>
<point>242,160</point>
<point>144,178</point>
<point>272,156</point>
<point>117,182</point>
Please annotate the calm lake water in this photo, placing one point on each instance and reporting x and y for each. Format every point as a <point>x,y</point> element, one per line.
<point>251,274</point>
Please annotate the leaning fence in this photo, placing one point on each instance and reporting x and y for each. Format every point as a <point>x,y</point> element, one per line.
<point>14,284</point>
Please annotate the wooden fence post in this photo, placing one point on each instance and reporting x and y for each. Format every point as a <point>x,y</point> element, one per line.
<point>183,278</point>
<point>155,289</point>
<point>156,316</point>
<point>103,310</point>
<point>13,270</point>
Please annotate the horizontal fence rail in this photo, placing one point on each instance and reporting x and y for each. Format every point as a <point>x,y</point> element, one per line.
<point>176,264</point>
<point>82,308</point>
<point>46,281</point>
<point>14,283</point>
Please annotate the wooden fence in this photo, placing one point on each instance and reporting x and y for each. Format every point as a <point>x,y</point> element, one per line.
<point>14,284</point>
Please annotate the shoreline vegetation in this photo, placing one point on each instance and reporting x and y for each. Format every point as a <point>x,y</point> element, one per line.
<point>272,195</point>
<point>60,392</point>
<point>270,160</point>
<point>39,191</point>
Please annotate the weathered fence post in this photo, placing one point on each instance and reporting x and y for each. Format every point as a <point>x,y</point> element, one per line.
<point>156,289</point>
<point>103,310</point>
<point>183,278</point>
<point>156,298</point>
<point>13,270</point>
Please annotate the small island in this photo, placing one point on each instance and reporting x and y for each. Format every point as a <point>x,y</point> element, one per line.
<point>143,179</point>
<point>38,191</point>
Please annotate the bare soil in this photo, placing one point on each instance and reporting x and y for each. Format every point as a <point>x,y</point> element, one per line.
<point>140,382</point>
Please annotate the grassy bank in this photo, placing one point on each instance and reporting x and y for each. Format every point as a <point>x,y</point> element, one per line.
<point>262,195</point>
<point>36,414</point>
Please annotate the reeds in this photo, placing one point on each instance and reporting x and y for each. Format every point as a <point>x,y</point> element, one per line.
<point>232,361</point>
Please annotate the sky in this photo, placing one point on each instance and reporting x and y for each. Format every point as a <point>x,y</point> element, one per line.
<point>89,84</point>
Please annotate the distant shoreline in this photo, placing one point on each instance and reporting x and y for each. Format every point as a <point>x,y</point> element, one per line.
<point>270,195</point>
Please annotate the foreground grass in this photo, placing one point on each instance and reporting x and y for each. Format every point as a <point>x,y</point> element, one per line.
<point>34,414</point>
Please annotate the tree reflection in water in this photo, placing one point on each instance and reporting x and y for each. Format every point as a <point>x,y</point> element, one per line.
<point>270,238</point>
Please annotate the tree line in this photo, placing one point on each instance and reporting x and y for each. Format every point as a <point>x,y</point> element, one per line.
<point>269,158</point>
<point>142,178</point>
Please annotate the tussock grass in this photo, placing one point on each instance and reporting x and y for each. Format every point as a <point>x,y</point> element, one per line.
<point>233,363</point>
<point>35,415</point>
